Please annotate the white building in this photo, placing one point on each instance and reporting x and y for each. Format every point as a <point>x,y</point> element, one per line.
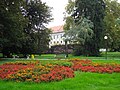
<point>57,36</point>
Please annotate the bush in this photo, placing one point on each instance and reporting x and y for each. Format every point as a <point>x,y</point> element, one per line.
<point>78,50</point>
<point>67,64</point>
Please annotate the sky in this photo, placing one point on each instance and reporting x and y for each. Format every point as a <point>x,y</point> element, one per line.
<point>57,11</point>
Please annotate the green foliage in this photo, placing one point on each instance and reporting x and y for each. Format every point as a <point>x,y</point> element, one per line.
<point>69,20</point>
<point>69,23</point>
<point>112,24</point>
<point>12,23</point>
<point>95,12</point>
<point>38,14</point>
<point>81,32</point>
<point>70,7</point>
<point>78,50</point>
<point>22,26</point>
<point>65,63</point>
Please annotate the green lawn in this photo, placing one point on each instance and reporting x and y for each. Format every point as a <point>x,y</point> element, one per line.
<point>55,61</point>
<point>110,56</point>
<point>82,81</point>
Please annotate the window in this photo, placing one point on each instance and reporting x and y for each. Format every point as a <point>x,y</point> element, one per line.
<point>54,36</point>
<point>51,42</point>
<point>57,36</point>
<point>60,35</point>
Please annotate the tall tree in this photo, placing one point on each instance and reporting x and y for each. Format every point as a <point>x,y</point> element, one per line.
<point>12,23</point>
<point>22,26</point>
<point>93,10</point>
<point>79,34</point>
<point>69,20</point>
<point>38,14</point>
<point>112,24</point>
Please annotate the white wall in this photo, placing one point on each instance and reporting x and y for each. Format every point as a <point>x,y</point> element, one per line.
<point>56,39</point>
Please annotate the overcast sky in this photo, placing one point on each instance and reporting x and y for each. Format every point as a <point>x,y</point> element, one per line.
<point>57,11</point>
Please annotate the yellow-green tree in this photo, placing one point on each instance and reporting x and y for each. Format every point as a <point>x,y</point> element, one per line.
<point>112,25</point>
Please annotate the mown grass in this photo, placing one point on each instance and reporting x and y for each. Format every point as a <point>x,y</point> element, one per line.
<point>82,81</point>
<point>110,56</point>
<point>56,61</point>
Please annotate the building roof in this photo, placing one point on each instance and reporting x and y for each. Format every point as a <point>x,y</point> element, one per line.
<point>57,29</point>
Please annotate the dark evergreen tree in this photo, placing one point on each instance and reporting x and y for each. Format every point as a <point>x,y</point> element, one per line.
<point>93,10</point>
<point>12,23</point>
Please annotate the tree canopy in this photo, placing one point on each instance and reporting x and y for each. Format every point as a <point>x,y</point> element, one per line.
<point>93,10</point>
<point>23,26</point>
<point>38,14</point>
<point>12,23</point>
<point>112,24</point>
<point>80,33</point>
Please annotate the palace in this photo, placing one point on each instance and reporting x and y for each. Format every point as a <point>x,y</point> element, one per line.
<point>56,36</point>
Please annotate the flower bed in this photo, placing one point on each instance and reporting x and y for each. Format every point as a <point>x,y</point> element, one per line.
<point>10,68</point>
<point>89,66</point>
<point>58,73</point>
<point>37,72</point>
<point>32,72</point>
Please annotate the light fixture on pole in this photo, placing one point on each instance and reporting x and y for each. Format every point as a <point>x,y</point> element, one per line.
<point>106,37</point>
<point>66,46</point>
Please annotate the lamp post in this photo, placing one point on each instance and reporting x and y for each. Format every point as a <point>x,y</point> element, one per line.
<point>106,37</point>
<point>66,48</point>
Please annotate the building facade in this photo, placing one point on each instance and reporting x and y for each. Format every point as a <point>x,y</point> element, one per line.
<point>56,36</point>
<point>57,41</point>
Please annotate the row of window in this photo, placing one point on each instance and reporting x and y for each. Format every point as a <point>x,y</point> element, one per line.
<point>57,36</point>
<point>57,42</point>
